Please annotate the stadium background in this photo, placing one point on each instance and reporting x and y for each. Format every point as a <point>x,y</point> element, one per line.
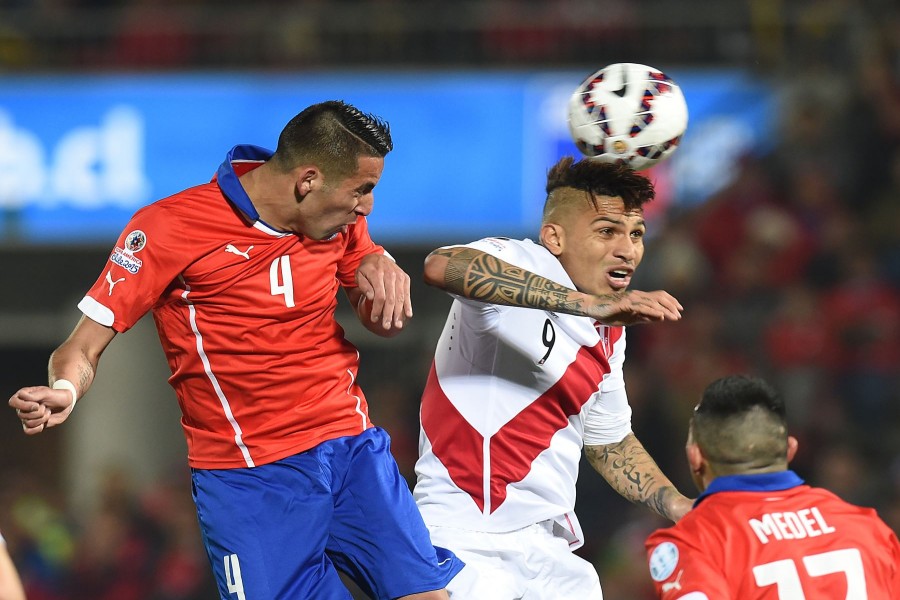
<point>777,226</point>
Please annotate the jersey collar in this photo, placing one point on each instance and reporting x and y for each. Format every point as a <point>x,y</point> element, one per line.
<point>756,482</point>
<point>228,180</point>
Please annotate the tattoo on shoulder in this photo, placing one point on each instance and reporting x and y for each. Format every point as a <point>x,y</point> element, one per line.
<point>481,276</point>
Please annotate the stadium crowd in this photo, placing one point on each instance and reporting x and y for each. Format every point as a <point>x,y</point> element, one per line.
<point>792,272</point>
<point>99,35</point>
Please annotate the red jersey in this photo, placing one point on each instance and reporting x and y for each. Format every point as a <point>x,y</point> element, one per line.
<point>769,537</point>
<point>245,314</point>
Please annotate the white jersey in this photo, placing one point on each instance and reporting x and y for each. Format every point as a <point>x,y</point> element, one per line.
<point>512,397</point>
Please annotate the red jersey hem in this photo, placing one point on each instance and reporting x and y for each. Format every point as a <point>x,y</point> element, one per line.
<point>240,463</point>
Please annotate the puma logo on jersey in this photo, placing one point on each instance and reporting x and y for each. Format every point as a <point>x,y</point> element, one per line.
<point>112,283</point>
<point>674,585</point>
<point>233,250</point>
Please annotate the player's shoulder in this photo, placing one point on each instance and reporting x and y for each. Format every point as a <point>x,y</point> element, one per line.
<point>830,501</point>
<point>494,244</point>
<point>710,518</point>
<point>808,493</point>
<point>686,536</point>
<point>702,534</point>
<point>185,213</point>
<point>524,252</point>
<point>197,201</point>
<point>701,517</point>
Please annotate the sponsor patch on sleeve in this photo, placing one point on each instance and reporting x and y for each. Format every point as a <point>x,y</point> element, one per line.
<point>125,257</point>
<point>126,260</point>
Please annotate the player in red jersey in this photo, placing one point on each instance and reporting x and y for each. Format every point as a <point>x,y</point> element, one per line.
<point>757,532</point>
<point>242,276</point>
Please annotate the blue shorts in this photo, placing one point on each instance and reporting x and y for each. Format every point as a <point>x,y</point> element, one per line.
<point>283,530</point>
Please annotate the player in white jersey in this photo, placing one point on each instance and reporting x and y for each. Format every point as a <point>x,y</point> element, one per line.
<point>527,372</point>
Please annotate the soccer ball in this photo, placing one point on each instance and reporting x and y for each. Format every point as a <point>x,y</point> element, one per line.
<point>627,112</point>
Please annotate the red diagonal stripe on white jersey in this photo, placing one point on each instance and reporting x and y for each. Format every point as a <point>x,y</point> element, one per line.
<point>514,447</point>
<point>454,442</point>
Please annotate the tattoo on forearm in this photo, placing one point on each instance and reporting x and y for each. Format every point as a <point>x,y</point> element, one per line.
<point>480,276</point>
<point>85,376</point>
<point>632,472</point>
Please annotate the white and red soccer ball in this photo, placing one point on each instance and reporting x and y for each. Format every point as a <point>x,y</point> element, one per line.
<point>628,112</point>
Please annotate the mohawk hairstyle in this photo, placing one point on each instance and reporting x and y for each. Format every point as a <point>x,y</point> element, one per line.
<point>332,135</point>
<point>740,423</point>
<point>373,130</point>
<point>601,179</point>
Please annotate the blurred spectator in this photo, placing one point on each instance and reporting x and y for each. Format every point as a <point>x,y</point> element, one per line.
<point>797,347</point>
<point>862,313</point>
<point>134,546</point>
<point>149,37</point>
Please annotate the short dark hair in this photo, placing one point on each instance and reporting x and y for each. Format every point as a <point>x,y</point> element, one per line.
<point>332,135</point>
<point>734,395</point>
<point>599,178</point>
<point>741,421</point>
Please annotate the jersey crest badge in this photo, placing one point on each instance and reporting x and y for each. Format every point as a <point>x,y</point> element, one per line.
<point>663,561</point>
<point>135,241</point>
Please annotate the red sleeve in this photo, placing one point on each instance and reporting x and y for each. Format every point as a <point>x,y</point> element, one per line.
<point>895,554</point>
<point>359,245</point>
<point>680,566</point>
<point>148,256</point>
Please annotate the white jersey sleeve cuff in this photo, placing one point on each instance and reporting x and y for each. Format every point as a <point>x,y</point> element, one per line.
<point>96,311</point>
<point>606,427</point>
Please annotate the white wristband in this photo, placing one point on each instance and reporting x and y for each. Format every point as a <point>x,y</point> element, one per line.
<point>65,384</point>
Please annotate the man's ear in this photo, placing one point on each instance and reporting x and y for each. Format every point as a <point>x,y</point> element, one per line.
<point>791,448</point>
<point>694,458</point>
<point>308,179</point>
<point>552,238</point>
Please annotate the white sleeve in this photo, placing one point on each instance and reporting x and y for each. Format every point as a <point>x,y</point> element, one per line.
<point>608,419</point>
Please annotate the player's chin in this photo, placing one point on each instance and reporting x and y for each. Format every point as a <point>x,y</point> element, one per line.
<point>608,288</point>
<point>330,234</point>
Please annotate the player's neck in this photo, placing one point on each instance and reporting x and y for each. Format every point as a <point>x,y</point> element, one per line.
<point>270,193</point>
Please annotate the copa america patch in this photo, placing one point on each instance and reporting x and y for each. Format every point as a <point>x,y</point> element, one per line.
<point>663,561</point>
<point>135,241</point>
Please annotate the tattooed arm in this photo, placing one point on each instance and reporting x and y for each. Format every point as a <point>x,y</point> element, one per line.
<point>632,472</point>
<point>76,360</point>
<point>480,276</point>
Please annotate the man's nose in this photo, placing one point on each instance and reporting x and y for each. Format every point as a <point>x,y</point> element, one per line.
<point>625,248</point>
<point>365,206</point>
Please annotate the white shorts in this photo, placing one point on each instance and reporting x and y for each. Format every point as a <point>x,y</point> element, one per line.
<point>527,564</point>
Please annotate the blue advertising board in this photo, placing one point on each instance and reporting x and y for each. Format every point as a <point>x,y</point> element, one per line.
<point>80,154</point>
